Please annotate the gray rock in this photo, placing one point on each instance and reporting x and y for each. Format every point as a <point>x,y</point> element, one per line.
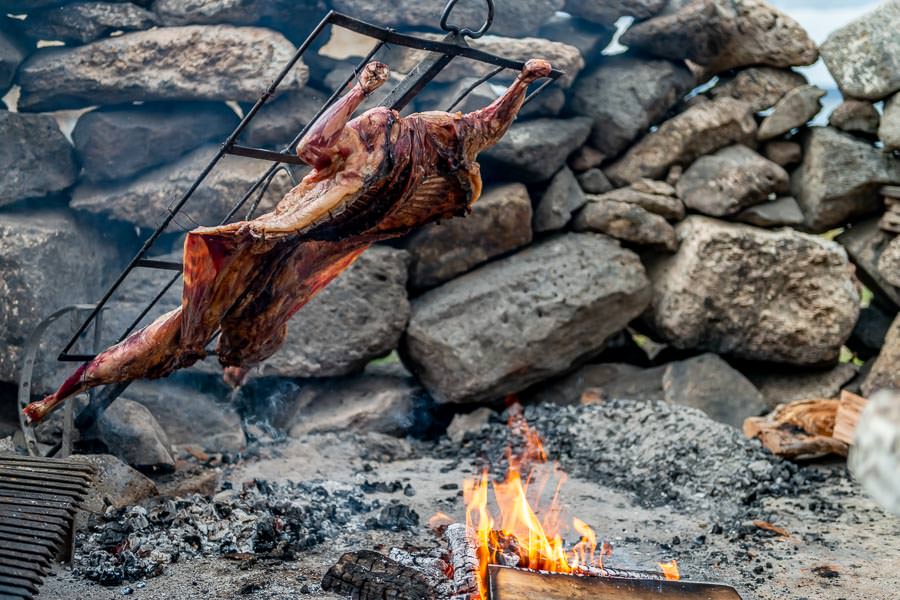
<point>856,116</point>
<point>866,242</point>
<point>535,150</point>
<point>701,129</point>
<point>722,35</point>
<point>83,22</point>
<point>280,120</point>
<point>864,55</point>
<point>524,318</point>
<point>780,212</point>
<point>884,373</point>
<point>604,381</point>
<point>35,157</point>
<point>194,62</point>
<point>500,221</point>
<point>143,201</point>
<point>709,383</point>
<point>889,262</point>
<point>664,206</point>
<point>840,177</point>
<point>12,52</point>
<point>889,130</point>
<point>590,38</point>
<point>594,181</point>
<point>131,433</point>
<point>760,87</point>
<point>190,416</point>
<point>116,484</point>
<point>463,423</point>
<point>121,141</point>
<point>783,388</point>
<point>783,153</point>
<point>586,158</point>
<point>548,103</point>
<point>869,332</point>
<point>561,198</point>
<point>626,221</point>
<point>779,296</point>
<point>294,19</point>
<point>729,180</point>
<point>608,12</point>
<point>624,95</point>
<point>795,109</point>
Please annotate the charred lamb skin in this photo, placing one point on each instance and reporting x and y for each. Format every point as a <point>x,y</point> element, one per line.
<point>374,177</point>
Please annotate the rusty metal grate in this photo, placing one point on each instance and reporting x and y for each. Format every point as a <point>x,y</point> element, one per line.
<point>38,500</point>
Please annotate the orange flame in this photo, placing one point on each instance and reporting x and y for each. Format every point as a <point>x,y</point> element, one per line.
<point>670,570</point>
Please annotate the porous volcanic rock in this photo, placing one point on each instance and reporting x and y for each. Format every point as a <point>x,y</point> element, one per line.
<point>120,141</point>
<point>143,201</point>
<point>500,221</point>
<point>535,150</point>
<point>864,55</point>
<point>783,388</point>
<point>889,130</point>
<point>195,62</point>
<point>626,221</point>
<point>665,205</point>
<point>12,53</point>
<point>280,120</point>
<point>625,94</point>
<point>779,296</point>
<point>709,383</point>
<point>561,198</point>
<point>608,12</point>
<point>731,179</point>
<point>701,129</point>
<point>855,116</point>
<point>294,19</point>
<point>594,181</point>
<point>524,318</point>
<point>782,152</point>
<point>760,87</point>
<point>884,373</point>
<point>780,212</point>
<point>866,242</point>
<point>889,262</point>
<point>35,157</point>
<point>722,35</point>
<point>590,38</point>
<point>131,432</point>
<point>840,177</point>
<point>796,108</point>
<point>83,22</point>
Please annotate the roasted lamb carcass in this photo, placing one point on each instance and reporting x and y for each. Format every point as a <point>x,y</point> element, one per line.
<point>374,177</point>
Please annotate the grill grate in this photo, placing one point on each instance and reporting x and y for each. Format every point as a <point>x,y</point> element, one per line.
<point>38,500</point>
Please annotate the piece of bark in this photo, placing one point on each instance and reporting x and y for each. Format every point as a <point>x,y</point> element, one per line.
<point>368,575</point>
<point>799,429</point>
<point>849,409</point>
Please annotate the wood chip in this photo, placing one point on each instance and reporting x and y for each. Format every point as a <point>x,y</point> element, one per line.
<point>773,528</point>
<point>851,405</point>
<point>801,429</point>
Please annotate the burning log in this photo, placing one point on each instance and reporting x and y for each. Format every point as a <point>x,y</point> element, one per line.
<point>368,575</point>
<point>463,558</point>
<point>800,429</point>
<point>847,417</point>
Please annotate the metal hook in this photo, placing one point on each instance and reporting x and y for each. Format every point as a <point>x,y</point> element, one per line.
<point>465,31</point>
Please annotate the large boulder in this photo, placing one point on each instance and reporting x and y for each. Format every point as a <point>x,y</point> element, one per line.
<point>608,12</point>
<point>840,177</point>
<point>83,22</point>
<point>731,179</point>
<point>143,201</point>
<point>131,432</point>
<point>525,318</point>
<point>36,159</point>
<point>796,108</point>
<point>292,18</point>
<point>889,130</point>
<point>884,373</point>
<point>561,198</point>
<point>856,116</point>
<point>760,87</point>
<point>194,62</point>
<point>722,35</point>
<point>864,55</point>
<point>120,141</point>
<point>701,129</point>
<point>780,296</point>
<point>866,243</point>
<point>625,95</point>
<point>12,53</point>
<point>500,221</point>
<point>626,221</point>
<point>535,150</point>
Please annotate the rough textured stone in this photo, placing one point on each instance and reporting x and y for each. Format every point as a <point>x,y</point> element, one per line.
<point>12,53</point>
<point>35,157</point>
<point>561,198</point>
<point>701,129</point>
<point>535,150</point>
<point>585,158</point>
<point>523,319</point>
<point>864,55</point>
<point>280,120</point>
<point>889,130</point>
<point>626,221</point>
<point>760,87</point>
<point>131,433</point>
<point>116,484</point>
<point>780,296</point>
<point>603,382</point>
<point>83,22</point>
<point>884,373</point>
<point>780,212</point>
<point>731,179</point>
<point>291,17</point>
<point>590,38</point>
<point>120,141</point>
<point>709,383</point>
<point>143,201</point>
<point>840,177</point>
<point>624,95</point>
<point>855,116</point>
<point>783,153</point>
<point>170,63</point>
<point>795,109</point>
<point>665,206</point>
<point>722,35</point>
<point>783,388</point>
<point>463,423</point>
<point>594,181</point>
<point>889,263</point>
<point>500,221</point>
<point>866,242</point>
<point>608,12</point>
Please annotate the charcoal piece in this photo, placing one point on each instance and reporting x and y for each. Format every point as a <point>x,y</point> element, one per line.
<point>368,575</point>
<point>394,517</point>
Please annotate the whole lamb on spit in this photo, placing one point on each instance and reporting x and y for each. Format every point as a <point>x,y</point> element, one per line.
<point>375,177</point>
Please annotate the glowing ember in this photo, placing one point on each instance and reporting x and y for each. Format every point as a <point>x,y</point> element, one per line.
<point>670,570</point>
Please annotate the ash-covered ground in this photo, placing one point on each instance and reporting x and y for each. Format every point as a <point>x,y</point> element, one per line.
<point>658,481</point>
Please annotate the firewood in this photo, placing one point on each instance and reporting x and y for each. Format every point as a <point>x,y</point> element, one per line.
<point>799,429</point>
<point>851,405</point>
<point>463,557</point>
<point>368,575</point>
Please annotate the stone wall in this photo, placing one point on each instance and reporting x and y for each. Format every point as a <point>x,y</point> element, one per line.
<point>656,204</point>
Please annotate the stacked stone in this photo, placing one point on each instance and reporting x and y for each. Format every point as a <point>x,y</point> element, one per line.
<point>674,189</point>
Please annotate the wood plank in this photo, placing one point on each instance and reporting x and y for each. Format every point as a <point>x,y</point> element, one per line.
<point>851,405</point>
<point>800,429</point>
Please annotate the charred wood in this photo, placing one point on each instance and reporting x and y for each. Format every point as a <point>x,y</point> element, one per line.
<point>368,575</point>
